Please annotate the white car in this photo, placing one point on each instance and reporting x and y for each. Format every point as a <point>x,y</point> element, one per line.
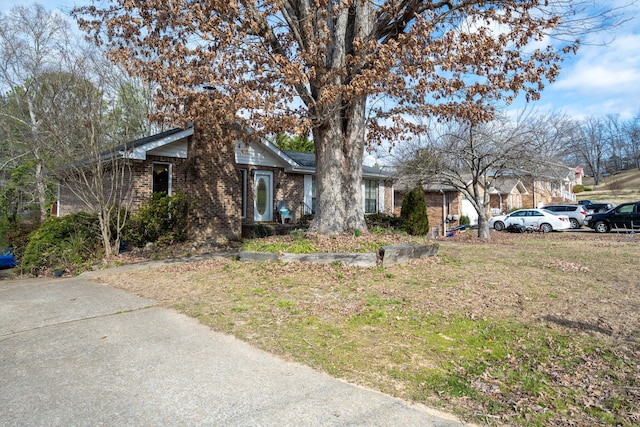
<point>547,221</point>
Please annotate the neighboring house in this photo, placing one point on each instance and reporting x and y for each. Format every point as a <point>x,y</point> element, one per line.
<point>506,194</point>
<point>232,184</point>
<point>552,186</point>
<point>578,175</point>
<point>445,205</point>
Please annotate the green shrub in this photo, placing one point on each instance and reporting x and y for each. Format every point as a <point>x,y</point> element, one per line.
<point>161,220</point>
<point>414,213</point>
<point>306,219</point>
<point>464,220</point>
<point>578,188</point>
<point>261,231</point>
<point>16,236</point>
<point>67,243</point>
<point>380,220</point>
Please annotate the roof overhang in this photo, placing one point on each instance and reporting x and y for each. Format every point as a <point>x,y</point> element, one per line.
<point>140,152</point>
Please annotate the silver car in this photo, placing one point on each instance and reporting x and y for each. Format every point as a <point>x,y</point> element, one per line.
<point>576,213</point>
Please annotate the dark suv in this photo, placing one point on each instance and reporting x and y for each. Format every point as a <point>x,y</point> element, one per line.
<point>576,213</point>
<point>623,217</point>
<point>597,207</point>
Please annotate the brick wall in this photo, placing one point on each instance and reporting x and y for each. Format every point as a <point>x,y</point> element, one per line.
<point>215,184</point>
<point>74,196</point>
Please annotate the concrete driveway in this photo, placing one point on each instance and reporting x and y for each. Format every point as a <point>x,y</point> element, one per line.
<point>77,353</point>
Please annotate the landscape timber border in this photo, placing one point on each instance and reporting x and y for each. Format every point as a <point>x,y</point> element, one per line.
<point>386,256</point>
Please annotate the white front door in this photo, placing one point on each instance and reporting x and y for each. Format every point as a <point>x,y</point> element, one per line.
<point>263,200</point>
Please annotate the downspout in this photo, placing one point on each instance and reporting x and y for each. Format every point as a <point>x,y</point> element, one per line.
<point>393,201</point>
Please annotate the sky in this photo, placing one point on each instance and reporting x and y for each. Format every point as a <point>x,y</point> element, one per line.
<point>602,78</point>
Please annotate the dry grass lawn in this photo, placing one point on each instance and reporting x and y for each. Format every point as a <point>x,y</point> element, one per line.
<point>519,330</point>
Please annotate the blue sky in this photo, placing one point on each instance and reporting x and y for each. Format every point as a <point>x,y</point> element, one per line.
<point>603,78</point>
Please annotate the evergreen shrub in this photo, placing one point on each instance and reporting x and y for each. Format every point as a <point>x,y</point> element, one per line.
<point>15,235</point>
<point>162,220</point>
<point>380,220</point>
<point>414,213</point>
<point>69,243</point>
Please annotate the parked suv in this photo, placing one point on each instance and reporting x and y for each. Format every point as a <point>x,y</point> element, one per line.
<point>576,213</point>
<point>597,207</point>
<point>625,216</point>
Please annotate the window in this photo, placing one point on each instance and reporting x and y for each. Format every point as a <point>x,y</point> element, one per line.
<point>627,209</point>
<point>162,178</point>
<point>370,196</point>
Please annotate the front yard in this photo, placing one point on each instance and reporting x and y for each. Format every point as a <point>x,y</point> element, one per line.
<point>521,330</point>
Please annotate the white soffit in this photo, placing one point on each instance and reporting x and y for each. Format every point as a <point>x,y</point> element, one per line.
<point>174,145</point>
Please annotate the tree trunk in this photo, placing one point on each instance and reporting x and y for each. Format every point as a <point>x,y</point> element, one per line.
<point>330,160</point>
<point>105,232</point>
<point>483,227</point>
<point>41,189</point>
<point>354,151</point>
<point>339,146</point>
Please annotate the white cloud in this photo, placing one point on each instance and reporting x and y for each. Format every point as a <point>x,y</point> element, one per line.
<point>609,67</point>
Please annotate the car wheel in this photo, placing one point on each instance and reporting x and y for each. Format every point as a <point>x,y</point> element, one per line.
<point>601,227</point>
<point>546,228</point>
<point>498,225</point>
<point>574,223</point>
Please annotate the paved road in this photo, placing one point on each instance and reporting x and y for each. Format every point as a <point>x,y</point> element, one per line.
<point>77,353</point>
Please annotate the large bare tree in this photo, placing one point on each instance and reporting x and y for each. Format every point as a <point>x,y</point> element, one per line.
<point>344,70</point>
<point>473,157</point>
<point>33,44</point>
<point>591,144</point>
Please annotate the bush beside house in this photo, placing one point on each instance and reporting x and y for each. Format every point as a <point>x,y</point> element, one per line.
<point>414,213</point>
<point>67,243</point>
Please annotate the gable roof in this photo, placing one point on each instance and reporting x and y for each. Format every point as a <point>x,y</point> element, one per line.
<point>171,142</point>
<point>504,185</point>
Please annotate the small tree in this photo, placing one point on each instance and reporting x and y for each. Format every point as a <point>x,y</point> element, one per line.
<point>414,213</point>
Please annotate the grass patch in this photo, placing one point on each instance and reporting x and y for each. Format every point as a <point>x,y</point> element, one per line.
<point>497,337</point>
<point>298,245</point>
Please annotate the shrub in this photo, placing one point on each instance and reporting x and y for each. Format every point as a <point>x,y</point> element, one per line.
<point>414,213</point>
<point>162,220</point>
<point>578,188</point>
<point>306,219</point>
<point>464,220</point>
<point>16,236</point>
<point>66,243</point>
<point>380,220</point>
<point>261,231</point>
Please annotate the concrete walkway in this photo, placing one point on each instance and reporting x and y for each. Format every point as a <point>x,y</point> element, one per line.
<point>77,353</point>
